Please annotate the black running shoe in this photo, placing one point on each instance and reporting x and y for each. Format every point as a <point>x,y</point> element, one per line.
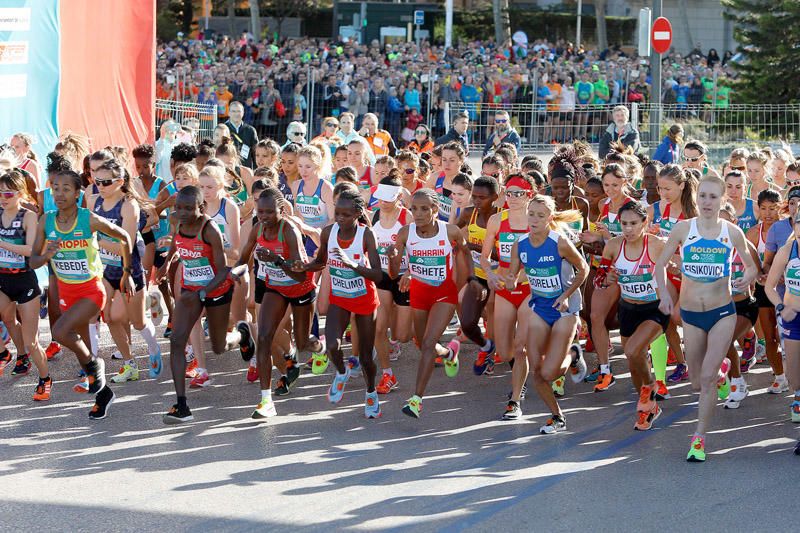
<point>281,386</point>
<point>102,402</point>
<point>168,331</point>
<point>247,347</point>
<point>513,411</point>
<point>23,365</point>
<point>177,415</point>
<point>292,372</point>
<point>96,375</point>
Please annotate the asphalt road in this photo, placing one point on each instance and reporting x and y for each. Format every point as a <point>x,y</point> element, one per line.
<point>320,467</point>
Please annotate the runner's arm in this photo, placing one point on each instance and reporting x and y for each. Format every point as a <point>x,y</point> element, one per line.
<point>395,253</point>
<point>39,254</point>
<point>776,273</point>
<point>29,223</point>
<point>574,258</point>
<point>213,237</point>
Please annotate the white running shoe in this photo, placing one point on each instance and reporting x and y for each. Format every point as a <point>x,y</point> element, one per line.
<point>738,390</point>
<point>156,307</point>
<point>779,385</point>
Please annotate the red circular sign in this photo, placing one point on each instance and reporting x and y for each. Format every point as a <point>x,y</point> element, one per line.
<point>661,35</point>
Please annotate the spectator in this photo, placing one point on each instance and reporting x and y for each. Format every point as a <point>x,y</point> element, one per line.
<point>359,102</point>
<point>379,140</point>
<point>411,96</point>
<point>669,151</point>
<point>503,133</point>
<point>458,132</point>
<point>621,130</point>
<point>224,98</point>
<point>697,92</point>
<point>244,135</point>
<point>267,100</point>
<point>298,104</point>
<point>332,97</point>
<point>422,142</point>
<point>329,135</point>
<point>378,100</point>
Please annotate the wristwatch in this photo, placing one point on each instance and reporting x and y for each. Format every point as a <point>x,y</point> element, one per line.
<point>202,294</point>
<point>779,308</point>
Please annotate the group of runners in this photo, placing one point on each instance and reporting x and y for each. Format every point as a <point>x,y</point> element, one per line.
<point>537,263</point>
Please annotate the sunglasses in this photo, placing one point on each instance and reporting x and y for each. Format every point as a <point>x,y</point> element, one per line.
<point>410,170</point>
<point>330,125</point>
<point>298,133</point>
<point>516,194</point>
<point>105,183</point>
<point>421,132</point>
<point>500,121</point>
<point>692,159</point>
<point>741,169</point>
<point>7,194</point>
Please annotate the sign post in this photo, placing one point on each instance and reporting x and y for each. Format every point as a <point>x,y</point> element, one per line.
<point>661,39</point>
<point>419,20</point>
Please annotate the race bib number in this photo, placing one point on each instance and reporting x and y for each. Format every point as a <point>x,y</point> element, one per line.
<point>197,272</point>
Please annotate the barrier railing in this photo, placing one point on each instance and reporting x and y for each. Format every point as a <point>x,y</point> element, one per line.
<point>719,128</point>
<point>201,118</point>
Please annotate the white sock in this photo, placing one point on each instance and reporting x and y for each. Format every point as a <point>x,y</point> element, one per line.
<point>148,333</point>
<point>266,395</point>
<point>388,371</point>
<point>201,371</point>
<point>605,369</point>
<point>740,379</point>
<point>253,362</point>
<point>780,377</point>
<point>131,362</point>
<point>797,393</point>
<point>488,346</point>
<point>94,338</point>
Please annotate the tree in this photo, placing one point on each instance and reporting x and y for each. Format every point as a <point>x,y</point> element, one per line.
<point>602,31</point>
<point>255,19</point>
<point>768,33</point>
<point>280,10</point>
<point>502,25</point>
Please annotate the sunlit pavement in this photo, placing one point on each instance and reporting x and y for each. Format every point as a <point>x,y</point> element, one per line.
<point>323,467</point>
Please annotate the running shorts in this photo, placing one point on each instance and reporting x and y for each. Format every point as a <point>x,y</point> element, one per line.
<point>790,330</point>
<point>70,293</point>
<point>393,285</point>
<point>748,308</point>
<point>517,297</point>
<point>21,287</point>
<point>296,301</point>
<point>631,316</point>
<point>138,282</point>
<point>761,297</point>
<point>424,296</point>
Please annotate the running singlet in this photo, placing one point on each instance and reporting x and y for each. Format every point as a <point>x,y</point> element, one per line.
<point>737,271</point>
<point>664,221</point>
<point>222,223</point>
<point>476,235</point>
<point>311,207</point>
<point>430,259</point>
<point>197,258</point>
<point>112,261</point>
<point>577,226</point>
<point>636,281</point>
<point>365,181</point>
<point>445,202</point>
<point>548,274</point>
<point>78,256</point>
<point>346,283</point>
<point>387,237</point>
<point>748,218</point>
<point>706,260</point>
<point>161,229</point>
<point>11,263</point>
<point>611,220</point>
<point>283,186</point>
<point>791,273</point>
<point>273,275</point>
<point>506,237</point>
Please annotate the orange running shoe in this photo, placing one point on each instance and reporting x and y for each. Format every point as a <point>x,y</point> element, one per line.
<point>388,382</point>
<point>645,419</point>
<point>53,350</point>
<point>42,392</point>
<point>647,398</point>
<point>662,392</point>
<point>438,361</point>
<point>604,382</point>
<point>191,369</point>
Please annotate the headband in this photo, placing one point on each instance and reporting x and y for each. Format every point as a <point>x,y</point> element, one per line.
<point>516,181</point>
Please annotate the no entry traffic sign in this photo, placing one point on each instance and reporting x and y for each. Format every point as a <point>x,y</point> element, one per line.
<point>661,35</point>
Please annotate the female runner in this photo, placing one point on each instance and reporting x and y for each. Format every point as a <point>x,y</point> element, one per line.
<point>67,239</point>
<point>707,310</point>
<point>433,246</point>
<point>357,158</point>
<point>555,271</point>
<point>746,208</point>
<point>452,159</point>
<point>347,248</point>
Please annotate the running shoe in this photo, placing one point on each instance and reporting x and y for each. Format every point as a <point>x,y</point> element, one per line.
<point>23,365</point>
<point>177,415</point>
<point>265,409</point>
<point>126,373</point>
<point>749,345</point>
<point>387,384</point>
<point>438,361</point>
<point>353,364</point>
<point>761,351</point>
<point>156,364</point>
<point>372,407</point>
<point>451,364</point>
<point>53,350</point>
<point>738,390</point>
<point>117,355</point>
<point>647,399</point>
<point>484,364</point>
<point>292,372</point>
<point>589,346</point>
<point>156,307</point>
<point>96,375</point>
<point>645,419</point>
<point>168,331</point>
<point>319,363</point>
<point>681,373</point>
<point>671,359</point>
<point>795,410</point>
<point>204,323</point>
<point>281,386</point>
<point>336,391</point>
<point>252,373</point>
<point>348,333</point>
<point>578,368</point>
<point>662,392</point>
<point>553,425</point>
<point>42,392</point>
<point>413,407</point>
<point>191,368</point>
<point>592,376</point>
<point>697,450</point>
<point>5,359</point>
<point>797,448</point>
<point>82,386</point>
<point>779,385</point>
<point>201,380</point>
<point>558,386</point>
<point>498,360</point>
<point>102,402</point>
<point>746,363</point>
<point>513,411</point>
<point>247,348</point>
<point>395,348</point>
<point>723,381</point>
<point>604,382</point>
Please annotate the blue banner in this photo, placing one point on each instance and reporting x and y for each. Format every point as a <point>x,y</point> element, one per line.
<point>30,71</point>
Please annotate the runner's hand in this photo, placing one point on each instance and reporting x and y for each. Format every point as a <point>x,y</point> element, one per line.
<point>612,277</point>
<point>666,305</point>
<point>788,314</point>
<point>342,256</point>
<point>562,303</point>
<point>495,282</point>
<point>52,248</point>
<point>238,272</point>
<point>298,266</point>
<point>126,285</point>
<point>405,282</point>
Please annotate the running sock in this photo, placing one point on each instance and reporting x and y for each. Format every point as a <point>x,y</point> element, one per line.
<point>182,401</point>
<point>266,395</point>
<point>131,363</point>
<point>488,346</point>
<point>605,369</point>
<point>253,361</point>
<point>658,353</point>
<point>201,371</point>
<point>315,325</point>
<point>94,338</point>
<point>388,371</point>
<point>148,333</point>
<point>797,393</point>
